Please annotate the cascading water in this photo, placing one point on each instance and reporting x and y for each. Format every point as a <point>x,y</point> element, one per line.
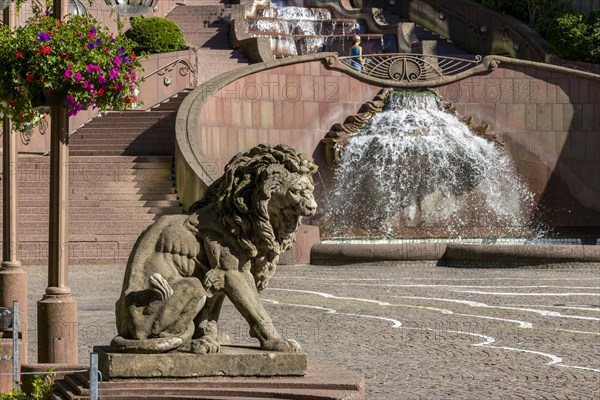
<point>297,30</point>
<point>416,170</point>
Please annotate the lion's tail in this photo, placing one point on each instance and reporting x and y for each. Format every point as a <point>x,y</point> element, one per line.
<point>154,345</point>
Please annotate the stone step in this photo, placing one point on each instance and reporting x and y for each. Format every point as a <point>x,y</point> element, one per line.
<point>90,227</point>
<point>125,190</point>
<point>86,238</point>
<point>82,184</point>
<point>124,152</point>
<point>93,206</point>
<point>152,116</point>
<point>110,210</point>
<point>115,196</point>
<point>87,232</point>
<point>123,142</point>
<point>154,112</point>
<point>110,175</point>
<point>133,160</point>
<point>127,127</point>
<point>42,218</point>
<point>321,382</point>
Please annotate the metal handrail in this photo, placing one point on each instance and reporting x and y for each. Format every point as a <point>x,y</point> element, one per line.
<point>410,67</point>
<point>186,68</point>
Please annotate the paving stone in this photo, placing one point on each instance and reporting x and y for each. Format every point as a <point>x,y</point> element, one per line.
<point>413,330</point>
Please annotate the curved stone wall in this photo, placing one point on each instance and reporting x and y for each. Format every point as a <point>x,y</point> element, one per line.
<point>547,116</point>
<point>549,121</point>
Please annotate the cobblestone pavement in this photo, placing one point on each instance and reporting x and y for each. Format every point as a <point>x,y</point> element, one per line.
<point>414,330</point>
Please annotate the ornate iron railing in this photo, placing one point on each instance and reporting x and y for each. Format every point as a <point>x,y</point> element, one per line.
<point>410,67</point>
<point>185,67</point>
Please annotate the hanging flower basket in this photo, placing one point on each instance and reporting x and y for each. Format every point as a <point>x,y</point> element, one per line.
<point>70,63</point>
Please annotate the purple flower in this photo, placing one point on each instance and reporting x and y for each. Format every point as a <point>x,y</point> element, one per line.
<point>121,50</point>
<point>69,73</point>
<point>78,77</point>
<point>74,108</point>
<point>90,46</point>
<point>71,100</point>
<point>42,37</point>
<point>98,42</point>
<point>91,68</point>
<point>93,30</point>
<point>117,61</point>
<point>114,73</point>
<point>101,79</point>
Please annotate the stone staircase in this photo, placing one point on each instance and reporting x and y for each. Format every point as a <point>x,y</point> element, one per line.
<point>205,25</point>
<point>130,133</point>
<point>444,47</point>
<point>120,181</point>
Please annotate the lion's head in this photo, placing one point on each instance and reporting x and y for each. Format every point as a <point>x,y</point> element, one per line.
<point>261,199</point>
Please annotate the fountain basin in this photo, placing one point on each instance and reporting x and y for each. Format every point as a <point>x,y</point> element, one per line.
<point>456,254</point>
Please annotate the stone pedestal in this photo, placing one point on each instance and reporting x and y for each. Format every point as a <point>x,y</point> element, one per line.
<point>13,286</point>
<point>57,329</point>
<point>230,361</point>
<point>323,382</point>
<point>6,365</point>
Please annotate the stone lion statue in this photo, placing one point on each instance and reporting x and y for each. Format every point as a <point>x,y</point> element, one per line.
<point>183,266</point>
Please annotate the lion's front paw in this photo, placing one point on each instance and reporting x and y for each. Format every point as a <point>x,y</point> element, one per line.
<point>205,345</point>
<point>281,345</point>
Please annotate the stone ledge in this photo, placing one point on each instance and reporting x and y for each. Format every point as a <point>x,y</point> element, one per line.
<point>231,361</point>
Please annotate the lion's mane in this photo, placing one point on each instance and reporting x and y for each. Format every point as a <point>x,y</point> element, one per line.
<point>241,198</point>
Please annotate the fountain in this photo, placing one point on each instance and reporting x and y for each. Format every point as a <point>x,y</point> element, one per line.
<point>416,170</point>
<point>295,30</point>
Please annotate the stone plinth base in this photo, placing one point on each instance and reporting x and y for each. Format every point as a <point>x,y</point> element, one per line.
<point>57,329</point>
<point>230,361</point>
<point>6,364</point>
<point>323,382</point>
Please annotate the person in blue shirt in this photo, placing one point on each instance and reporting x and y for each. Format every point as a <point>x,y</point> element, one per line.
<point>356,53</point>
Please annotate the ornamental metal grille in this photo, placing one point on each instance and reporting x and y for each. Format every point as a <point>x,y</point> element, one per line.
<point>410,67</point>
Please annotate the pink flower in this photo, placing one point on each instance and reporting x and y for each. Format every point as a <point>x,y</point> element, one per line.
<point>69,73</point>
<point>78,77</point>
<point>117,61</point>
<point>101,79</point>
<point>114,73</point>
<point>91,68</point>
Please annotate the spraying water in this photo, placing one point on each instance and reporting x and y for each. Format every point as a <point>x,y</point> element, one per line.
<point>416,169</point>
